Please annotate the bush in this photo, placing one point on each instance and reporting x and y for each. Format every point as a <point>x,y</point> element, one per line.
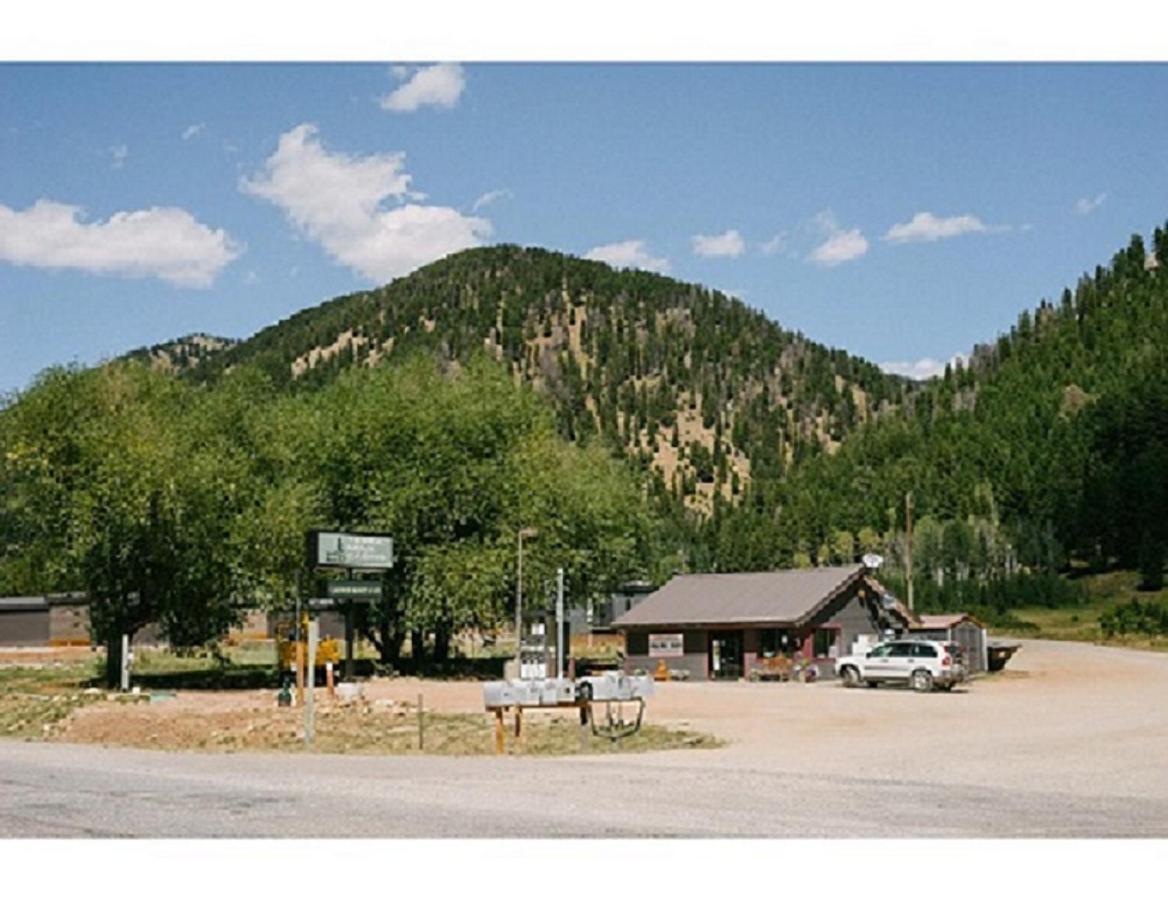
<point>1135,617</point>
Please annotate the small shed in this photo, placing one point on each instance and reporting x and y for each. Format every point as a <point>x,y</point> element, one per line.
<point>957,628</point>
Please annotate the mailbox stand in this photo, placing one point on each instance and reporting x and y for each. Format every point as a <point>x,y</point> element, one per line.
<point>564,693</point>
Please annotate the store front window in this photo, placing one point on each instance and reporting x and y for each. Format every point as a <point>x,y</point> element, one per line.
<point>824,644</point>
<point>775,642</point>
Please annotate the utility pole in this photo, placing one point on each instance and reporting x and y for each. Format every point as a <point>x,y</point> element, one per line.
<point>908,563</point>
<point>349,633</point>
<point>523,532</point>
<point>310,694</point>
<point>559,623</point>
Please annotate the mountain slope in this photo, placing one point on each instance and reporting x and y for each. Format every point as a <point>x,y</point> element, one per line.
<point>1051,445</point>
<point>699,388</point>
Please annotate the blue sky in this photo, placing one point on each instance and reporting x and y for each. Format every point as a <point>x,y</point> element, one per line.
<point>901,212</point>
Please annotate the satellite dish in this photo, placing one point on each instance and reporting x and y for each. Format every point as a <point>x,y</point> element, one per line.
<point>872,560</point>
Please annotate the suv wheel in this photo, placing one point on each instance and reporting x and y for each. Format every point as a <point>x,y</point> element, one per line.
<point>850,676</point>
<point>921,680</point>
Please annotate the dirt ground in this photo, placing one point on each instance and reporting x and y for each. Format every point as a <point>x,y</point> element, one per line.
<point>1061,717</point>
<point>1071,741</point>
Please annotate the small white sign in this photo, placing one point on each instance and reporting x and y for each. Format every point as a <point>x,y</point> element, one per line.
<point>666,645</point>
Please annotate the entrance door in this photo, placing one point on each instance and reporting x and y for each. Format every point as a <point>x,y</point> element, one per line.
<point>726,654</point>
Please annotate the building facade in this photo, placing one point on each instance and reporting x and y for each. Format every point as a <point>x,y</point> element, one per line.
<point>721,626</point>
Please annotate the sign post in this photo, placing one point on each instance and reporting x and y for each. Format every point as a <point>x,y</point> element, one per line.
<point>342,550</point>
<point>367,552</point>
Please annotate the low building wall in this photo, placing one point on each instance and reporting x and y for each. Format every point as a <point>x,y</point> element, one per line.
<point>24,625</point>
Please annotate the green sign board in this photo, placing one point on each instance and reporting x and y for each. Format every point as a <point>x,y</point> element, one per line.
<point>354,590</point>
<point>338,549</point>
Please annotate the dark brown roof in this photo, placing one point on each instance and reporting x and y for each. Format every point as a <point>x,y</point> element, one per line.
<point>786,597</point>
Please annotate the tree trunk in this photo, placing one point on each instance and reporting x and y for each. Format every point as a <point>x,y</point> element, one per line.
<point>113,660</point>
<point>417,646</point>
<point>442,642</point>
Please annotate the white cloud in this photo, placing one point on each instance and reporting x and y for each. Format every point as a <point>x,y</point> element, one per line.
<point>339,201</point>
<point>118,156</point>
<point>438,85</point>
<point>839,245</point>
<point>631,254</point>
<point>923,369</point>
<point>774,245</point>
<point>925,226</point>
<point>1084,206</point>
<point>729,243</point>
<point>193,130</point>
<point>160,242</point>
<point>491,197</point>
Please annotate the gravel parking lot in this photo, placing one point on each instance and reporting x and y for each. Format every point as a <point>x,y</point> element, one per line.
<point>1071,741</point>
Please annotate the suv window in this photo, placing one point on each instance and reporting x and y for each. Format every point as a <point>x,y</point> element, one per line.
<point>924,650</point>
<point>881,651</point>
<point>901,650</point>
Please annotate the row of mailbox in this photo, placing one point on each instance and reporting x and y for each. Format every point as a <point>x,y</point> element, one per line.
<point>616,686</point>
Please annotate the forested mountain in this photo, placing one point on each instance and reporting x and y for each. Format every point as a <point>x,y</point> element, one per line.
<point>181,354</point>
<point>691,383</point>
<point>1050,446</point>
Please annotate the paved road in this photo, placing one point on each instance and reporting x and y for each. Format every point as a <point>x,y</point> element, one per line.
<point>1077,747</point>
<point>64,790</point>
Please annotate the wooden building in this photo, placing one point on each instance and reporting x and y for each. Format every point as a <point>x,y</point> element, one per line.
<point>720,625</point>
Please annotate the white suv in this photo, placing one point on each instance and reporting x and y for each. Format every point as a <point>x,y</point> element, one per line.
<point>923,665</point>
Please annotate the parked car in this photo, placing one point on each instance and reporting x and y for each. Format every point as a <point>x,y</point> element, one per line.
<point>923,665</point>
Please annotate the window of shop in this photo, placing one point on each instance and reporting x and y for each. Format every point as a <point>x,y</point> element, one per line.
<point>775,642</point>
<point>824,643</point>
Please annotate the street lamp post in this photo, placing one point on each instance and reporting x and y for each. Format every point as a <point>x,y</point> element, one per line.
<point>528,533</point>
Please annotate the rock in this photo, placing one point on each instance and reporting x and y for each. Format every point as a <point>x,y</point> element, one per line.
<point>348,691</point>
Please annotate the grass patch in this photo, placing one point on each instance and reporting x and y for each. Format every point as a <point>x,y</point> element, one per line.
<point>1081,623</point>
<point>34,700</point>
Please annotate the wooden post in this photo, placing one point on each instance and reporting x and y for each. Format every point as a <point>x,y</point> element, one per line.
<point>421,726</point>
<point>329,680</point>
<point>349,640</point>
<point>584,713</point>
<point>500,745</point>
<point>518,727</point>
